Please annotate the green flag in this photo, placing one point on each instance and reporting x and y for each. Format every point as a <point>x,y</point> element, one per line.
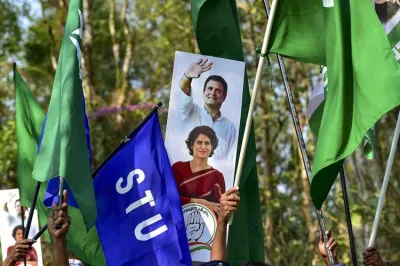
<point>315,110</point>
<point>363,75</point>
<point>217,31</point>
<point>29,120</point>
<point>84,245</point>
<point>63,151</point>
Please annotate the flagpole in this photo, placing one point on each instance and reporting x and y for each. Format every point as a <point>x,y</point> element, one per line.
<point>41,231</point>
<point>300,139</point>
<point>253,99</point>
<point>348,216</point>
<point>60,190</point>
<point>22,213</point>
<point>33,206</point>
<point>385,183</point>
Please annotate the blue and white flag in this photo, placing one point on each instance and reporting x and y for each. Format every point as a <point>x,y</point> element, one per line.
<point>139,215</point>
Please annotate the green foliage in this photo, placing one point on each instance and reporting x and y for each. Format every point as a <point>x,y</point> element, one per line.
<point>159,28</point>
<point>8,165</point>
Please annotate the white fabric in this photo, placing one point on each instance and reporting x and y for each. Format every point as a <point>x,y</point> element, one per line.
<point>190,115</point>
<point>317,97</point>
<point>328,3</point>
<point>75,262</point>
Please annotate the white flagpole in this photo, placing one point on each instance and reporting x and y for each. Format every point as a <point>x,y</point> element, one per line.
<point>254,97</point>
<point>385,183</point>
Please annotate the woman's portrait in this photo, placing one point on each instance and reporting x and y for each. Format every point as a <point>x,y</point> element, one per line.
<point>197,181</point>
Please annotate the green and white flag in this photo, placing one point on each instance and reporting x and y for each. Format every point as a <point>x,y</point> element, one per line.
<point>316,106</point>
<point>364,76</point>
<point>389,15</point>
<point>63,150</point>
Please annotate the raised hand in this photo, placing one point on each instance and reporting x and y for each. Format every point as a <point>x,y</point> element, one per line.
<point>371,257</point>
<point>194,227</point>
<point>196,69</point>
<point>59,221</point>
<point>332,245</point>
<point>229,203</point>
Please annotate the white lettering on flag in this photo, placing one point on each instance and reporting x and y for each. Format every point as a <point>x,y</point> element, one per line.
<point>328,3</point>
<point>152,234</point>
<point>76,43</point>
<point>129,180</point>
<point>148,199</point>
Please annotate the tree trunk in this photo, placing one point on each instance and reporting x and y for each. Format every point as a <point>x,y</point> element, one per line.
<point>115,43</point>
<point>87,39</point>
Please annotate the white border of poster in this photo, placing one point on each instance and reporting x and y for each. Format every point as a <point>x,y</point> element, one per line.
<point>9,219</point>
<point>189,111</point>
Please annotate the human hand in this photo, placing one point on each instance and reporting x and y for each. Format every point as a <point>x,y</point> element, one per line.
<point>59,221</point>
<point>229,204</point>
<point>194,226</point>
<point>196,69</point>
<point>332,245</point>
<point>210,205</point>
<point>371,257</point>
<point>19,251</point>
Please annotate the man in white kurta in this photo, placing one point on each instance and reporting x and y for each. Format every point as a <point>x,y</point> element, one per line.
<point>191,115</point>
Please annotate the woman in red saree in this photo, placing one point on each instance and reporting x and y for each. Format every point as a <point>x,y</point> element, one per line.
<point>197,181</point>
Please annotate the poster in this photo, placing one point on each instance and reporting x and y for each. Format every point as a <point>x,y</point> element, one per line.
<point>201,139</point>
<point>389,15</point>
<point>10,224</point>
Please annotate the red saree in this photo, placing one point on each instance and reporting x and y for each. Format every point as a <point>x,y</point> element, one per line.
<point>206,184</point>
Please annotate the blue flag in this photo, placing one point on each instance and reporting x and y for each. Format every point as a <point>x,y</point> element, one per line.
<point>51,195</point>
<point>139,214</point>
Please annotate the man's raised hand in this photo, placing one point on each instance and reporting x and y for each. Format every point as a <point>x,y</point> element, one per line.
<point>196,69</point>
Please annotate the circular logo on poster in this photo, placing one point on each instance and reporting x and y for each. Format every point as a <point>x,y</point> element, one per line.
<point>201,225</point>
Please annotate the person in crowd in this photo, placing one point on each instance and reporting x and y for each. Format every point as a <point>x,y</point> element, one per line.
<point>229,204</point>
<point>197,181</point>
<point>31,257</point>
<point>190,115</point>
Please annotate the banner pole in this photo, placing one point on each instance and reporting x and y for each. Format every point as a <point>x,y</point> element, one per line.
<point>32,209</point>
<point>300,139</point>
<point>253,99</point>
<point>385,183</point>
<point>348,216</point>
<point>22,213</point>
